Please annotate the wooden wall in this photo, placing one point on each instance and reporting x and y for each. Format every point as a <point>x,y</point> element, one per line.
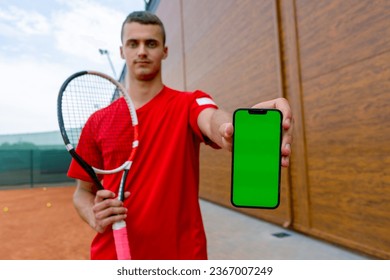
<point>331,60</point>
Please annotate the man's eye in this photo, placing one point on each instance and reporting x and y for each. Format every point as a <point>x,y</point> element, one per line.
<point>152,44</point>
<point>133,45</point>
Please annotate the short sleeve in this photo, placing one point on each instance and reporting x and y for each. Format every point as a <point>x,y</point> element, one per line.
<point>200,101</point>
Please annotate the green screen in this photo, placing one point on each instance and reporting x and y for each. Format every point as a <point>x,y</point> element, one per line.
<point>256,158</point>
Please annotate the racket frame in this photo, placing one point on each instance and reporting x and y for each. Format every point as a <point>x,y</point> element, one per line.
<point>93,171</point>
<point>119,228</point>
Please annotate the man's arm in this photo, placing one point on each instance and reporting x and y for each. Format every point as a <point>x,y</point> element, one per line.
<point>216,124</point>
<point>99,209</point>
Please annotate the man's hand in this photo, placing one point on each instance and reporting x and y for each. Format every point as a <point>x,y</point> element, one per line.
<point>226,129</point>
<point>287,124</point>
<point>107,210</point>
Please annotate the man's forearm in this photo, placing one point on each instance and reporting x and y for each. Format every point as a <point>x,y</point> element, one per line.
<point>83,201</point>
<point>221,127</point>
<point>216,125</point>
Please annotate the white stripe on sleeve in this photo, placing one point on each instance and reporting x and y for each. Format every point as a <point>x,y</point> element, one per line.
<point>205,101</point>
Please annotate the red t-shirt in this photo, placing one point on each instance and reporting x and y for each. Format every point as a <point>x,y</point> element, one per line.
<point>164,219</point>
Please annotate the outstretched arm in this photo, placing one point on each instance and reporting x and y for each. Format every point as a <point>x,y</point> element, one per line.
<point>216,124</point>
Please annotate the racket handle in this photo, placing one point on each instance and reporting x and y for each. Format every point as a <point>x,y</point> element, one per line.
<point>121,240</point>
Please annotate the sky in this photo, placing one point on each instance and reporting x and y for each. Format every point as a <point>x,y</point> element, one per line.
<point>42,42</point>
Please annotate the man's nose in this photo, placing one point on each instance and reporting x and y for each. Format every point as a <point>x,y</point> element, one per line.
<point>142,50</point>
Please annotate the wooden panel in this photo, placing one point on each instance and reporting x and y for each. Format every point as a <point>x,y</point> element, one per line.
<point>344,54</point>
<point>233,60</point>
<point>348,135</point>
<point>174,65</point>
<point>334,34</point>
<point>292,88</point>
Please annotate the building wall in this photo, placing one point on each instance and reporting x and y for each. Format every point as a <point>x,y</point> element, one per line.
<point>330,59</point>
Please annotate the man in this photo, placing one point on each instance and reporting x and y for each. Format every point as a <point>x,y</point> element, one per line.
<point>162,212</point>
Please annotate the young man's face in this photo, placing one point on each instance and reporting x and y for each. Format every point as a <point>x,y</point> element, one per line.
<point>143,49</point>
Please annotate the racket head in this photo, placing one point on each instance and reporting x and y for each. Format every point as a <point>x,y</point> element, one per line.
<point>91,96</point>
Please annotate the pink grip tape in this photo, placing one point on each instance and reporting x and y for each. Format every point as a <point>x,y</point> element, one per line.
<point>121,241</point>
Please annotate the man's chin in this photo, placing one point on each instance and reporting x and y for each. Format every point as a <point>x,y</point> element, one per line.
<point>145,76</point>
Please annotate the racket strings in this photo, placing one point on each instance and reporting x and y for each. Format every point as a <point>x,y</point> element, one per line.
<point>92,98</point>
<point>84,96</point>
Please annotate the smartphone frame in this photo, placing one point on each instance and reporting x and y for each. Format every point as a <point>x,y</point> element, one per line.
<point>255,111</point>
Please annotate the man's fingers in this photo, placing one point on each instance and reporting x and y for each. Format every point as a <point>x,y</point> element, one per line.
<point>103,194</point>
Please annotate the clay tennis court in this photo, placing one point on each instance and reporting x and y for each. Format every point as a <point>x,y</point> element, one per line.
<point>30,230</point>
<point>41,224</point>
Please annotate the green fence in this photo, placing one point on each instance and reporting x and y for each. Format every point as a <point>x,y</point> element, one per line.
<point>33,166</point>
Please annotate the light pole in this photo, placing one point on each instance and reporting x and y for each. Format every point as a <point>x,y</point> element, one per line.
<point>103,52</point>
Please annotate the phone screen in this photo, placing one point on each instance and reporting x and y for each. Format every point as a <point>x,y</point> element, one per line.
<point>256,158</point>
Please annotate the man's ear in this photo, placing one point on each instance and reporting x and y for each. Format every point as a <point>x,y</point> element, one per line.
<point>121,52</point>
<point>165,52</point>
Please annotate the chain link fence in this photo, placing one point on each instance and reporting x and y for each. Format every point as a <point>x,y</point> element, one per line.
<point>34,166</point>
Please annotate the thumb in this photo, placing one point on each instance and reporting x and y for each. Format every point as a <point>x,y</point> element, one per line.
<point>226,131</point>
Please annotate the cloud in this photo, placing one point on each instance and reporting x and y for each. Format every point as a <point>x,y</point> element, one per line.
<point>42,43</point>
<point>15,22</point>
<point>86,27</point>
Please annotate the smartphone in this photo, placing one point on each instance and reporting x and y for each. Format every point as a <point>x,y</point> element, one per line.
<point>256,158</point>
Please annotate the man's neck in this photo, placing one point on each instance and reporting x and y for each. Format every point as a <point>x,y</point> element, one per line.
<point>141,92</point>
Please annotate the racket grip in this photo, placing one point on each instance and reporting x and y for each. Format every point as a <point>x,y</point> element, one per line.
<point>121,241</point>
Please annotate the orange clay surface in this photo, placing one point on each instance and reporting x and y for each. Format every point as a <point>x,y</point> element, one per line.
<point>42,224</point>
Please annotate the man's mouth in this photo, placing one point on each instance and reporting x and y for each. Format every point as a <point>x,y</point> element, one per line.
<point>142,62</point>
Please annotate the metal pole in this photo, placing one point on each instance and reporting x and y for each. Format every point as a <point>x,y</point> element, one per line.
<point>31,168</point>
<point>103,52</point>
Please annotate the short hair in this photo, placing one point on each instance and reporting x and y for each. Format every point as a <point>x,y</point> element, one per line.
<point>144,17</point>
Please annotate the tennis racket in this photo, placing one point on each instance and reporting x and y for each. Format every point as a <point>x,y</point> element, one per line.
<point>91,103</point>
